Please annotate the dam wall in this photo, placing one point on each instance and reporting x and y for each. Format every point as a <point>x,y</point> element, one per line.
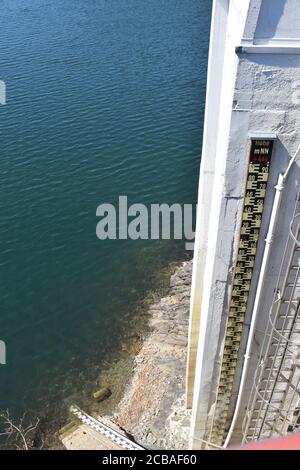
<point>253,99</point>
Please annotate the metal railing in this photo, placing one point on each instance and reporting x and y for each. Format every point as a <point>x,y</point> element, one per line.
<point>273,406</point>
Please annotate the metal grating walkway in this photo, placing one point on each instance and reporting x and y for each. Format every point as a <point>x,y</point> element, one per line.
<point>94,434</point>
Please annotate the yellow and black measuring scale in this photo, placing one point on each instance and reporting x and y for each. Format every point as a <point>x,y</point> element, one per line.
<point>255,193</point>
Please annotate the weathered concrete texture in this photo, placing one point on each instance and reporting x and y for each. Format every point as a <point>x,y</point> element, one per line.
<point>153,408</point>
<point>83,437</point>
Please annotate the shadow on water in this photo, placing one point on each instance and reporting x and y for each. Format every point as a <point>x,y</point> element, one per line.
<point>104,99</point>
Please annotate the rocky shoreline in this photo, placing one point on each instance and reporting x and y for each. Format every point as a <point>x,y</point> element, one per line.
<point>147,383</point>
<point>152,409</point>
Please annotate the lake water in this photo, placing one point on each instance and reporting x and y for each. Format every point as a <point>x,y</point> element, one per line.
<point>104,98</point>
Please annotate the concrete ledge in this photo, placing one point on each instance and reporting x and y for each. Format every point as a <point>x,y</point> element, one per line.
<point>262,135</point>
<point>268,49</point>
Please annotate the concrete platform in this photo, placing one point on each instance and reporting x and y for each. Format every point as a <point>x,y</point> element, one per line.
<point>84,437</point>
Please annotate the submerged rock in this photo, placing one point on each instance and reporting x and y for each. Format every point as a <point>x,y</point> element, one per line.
<point>102,394</point>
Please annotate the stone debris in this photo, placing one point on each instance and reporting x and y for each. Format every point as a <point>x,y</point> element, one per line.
<point>153,407</point>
